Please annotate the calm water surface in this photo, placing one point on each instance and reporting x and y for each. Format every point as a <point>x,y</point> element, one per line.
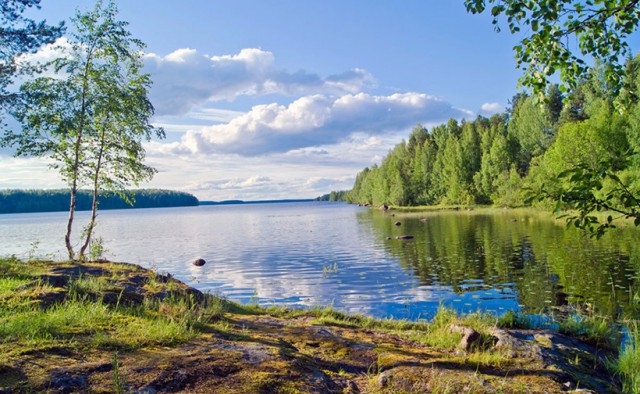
<point>318,254</point>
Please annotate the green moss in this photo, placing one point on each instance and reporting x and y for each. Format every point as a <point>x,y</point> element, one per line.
<point>543,341</point>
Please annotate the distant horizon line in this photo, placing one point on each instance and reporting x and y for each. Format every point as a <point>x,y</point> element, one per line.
<point>200,202</point>
<point>232,202</point>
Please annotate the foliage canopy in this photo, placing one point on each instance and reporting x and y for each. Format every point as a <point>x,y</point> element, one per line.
<point>92,115</point>
<point>19,36</point>
<point>561,36</point>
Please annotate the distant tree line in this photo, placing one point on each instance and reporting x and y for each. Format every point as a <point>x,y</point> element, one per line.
<point>340,195</point>
<point>22,201</point>
<point>532,146</point>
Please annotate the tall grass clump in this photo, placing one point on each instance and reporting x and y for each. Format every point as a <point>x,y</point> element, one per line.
<point>17,291</point>
<point>83,286</point>
<point>62,321</point>
<point>119,379</point>
<point>438,334</point>
<point>84,322</point>
<point>627,365</point>
<point>597,330</point>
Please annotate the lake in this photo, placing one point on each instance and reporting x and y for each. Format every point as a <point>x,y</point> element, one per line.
<point>317,254</point>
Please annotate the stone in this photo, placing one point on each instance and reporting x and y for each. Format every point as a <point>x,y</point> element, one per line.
<point>469,336</point>
<point>384,378</point>
<point>404,237</point>
<point>384,207</point>
<point>199,262</point>
<point>398,223</point>
<point>67,383</point>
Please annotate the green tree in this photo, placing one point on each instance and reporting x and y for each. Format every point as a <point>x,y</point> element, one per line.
<point>18,36</point>
<point>531,128</point>
<point>496,159</point>
<point>561,36</point>
<point>572,172</point>
<point>92,116</point>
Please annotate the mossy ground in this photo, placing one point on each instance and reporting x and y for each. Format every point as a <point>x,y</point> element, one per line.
<point>122,328</point>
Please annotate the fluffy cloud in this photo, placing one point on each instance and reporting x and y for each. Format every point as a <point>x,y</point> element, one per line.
<point>321,184</point>
<point>185,79</point>
<point>260,187</point>
<point>314,121</point>
<point>491,108</point>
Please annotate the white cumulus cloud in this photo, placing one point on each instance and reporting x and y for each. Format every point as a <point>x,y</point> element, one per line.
<point>185,79</point>
<point>491,108</point>
<point>314,121</point>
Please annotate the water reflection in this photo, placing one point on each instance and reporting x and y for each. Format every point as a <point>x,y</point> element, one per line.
<point>318,254</point>
<point>522,256</point>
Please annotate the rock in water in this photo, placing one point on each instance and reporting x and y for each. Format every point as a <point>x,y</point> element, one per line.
<point>398,223</point>
<point>199,262</point>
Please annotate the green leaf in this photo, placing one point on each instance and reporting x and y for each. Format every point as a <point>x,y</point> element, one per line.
<point>534,25</point>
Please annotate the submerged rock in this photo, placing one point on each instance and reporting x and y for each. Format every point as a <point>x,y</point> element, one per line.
<point>199,262</point>
<point>404,237</point>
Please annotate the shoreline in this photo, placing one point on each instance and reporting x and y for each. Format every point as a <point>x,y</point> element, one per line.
<point>118,327</point>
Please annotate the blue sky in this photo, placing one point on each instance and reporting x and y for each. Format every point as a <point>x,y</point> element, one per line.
<point>290,99</point>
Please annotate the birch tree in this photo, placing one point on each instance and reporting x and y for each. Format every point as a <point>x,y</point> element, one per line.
<point>92,116</point>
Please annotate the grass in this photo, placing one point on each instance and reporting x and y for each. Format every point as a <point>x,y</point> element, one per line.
<point>119,379</point>
<point>80,319</point>
<point>593,329</point>
<point>627,365</point>
<point>84,323</point>
<point>89,285</point>
<point>540,212</point>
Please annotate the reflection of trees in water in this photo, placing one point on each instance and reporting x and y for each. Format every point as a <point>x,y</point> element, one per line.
<point>549,264</point>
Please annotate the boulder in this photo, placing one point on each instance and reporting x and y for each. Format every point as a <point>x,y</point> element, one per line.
<point>404,237</point>
<point>384,207</point>
<point>398,223</point>
<point>469,336</point>
<point>199,262</point>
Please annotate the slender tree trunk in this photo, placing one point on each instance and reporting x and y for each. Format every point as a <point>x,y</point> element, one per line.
<point>76,161</point>
<point>72,209</point>
<point>96,183</point>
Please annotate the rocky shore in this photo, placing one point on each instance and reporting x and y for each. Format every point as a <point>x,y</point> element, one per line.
<point>229,348</point>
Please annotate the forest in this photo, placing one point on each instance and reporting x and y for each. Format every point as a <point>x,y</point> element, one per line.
<point>22,201</point>
<point>529,150</point>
